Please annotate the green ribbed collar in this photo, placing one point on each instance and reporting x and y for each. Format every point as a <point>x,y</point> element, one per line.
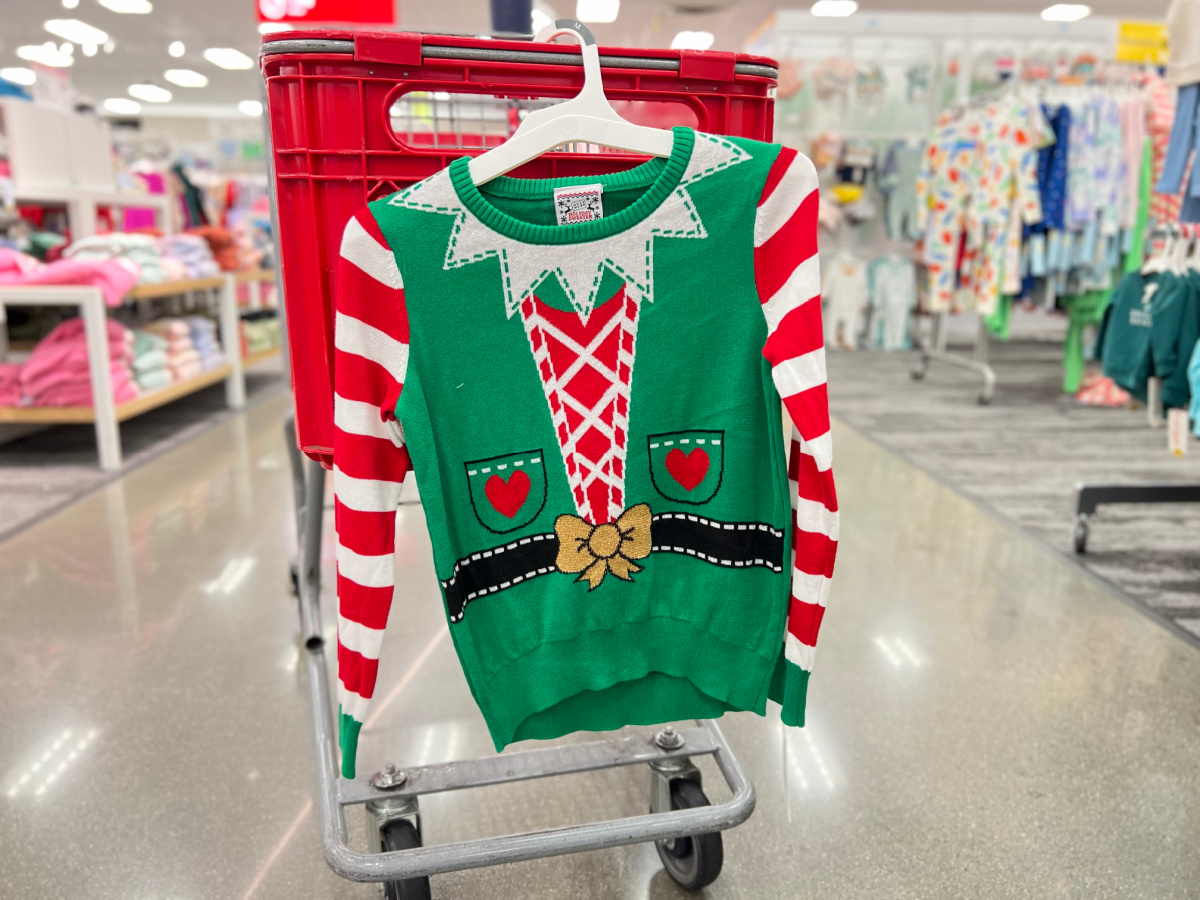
<point>660,176</point>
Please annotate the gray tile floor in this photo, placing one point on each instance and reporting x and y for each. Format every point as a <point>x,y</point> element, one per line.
<point>986,721</point>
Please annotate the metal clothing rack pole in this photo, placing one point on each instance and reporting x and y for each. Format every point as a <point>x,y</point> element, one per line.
<point>392,794</point>
<point>977,363</point>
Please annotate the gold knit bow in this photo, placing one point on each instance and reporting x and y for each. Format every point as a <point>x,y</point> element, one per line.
<point>595,550</point>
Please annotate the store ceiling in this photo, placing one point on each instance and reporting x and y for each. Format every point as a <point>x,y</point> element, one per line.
<point>142,40</point>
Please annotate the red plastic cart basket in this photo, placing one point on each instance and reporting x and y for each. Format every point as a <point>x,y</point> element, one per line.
<point>354,116</point>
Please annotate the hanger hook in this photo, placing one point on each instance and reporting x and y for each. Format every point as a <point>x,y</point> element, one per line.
<point>592,83</point>
<point>575,27</point>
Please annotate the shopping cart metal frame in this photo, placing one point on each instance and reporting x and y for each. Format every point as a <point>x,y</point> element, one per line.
<point>393,793</point>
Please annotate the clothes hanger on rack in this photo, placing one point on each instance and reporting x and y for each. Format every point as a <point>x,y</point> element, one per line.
<point>1160,262</point>
<point>586,118</point>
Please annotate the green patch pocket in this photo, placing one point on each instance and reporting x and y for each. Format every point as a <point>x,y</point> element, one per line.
<point>687,466</point>
<point>507,492</point>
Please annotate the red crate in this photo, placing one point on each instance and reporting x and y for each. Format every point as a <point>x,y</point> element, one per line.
<point>329,99</point>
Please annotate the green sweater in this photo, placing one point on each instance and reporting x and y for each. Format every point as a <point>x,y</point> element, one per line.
<point>592,412</point>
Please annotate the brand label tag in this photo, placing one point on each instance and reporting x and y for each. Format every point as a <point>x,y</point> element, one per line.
<point>578,203</point>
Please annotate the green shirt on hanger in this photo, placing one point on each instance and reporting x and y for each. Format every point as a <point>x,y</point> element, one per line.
<point>1127,327</point>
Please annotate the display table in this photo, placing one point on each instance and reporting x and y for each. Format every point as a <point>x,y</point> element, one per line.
<point>104,412</point>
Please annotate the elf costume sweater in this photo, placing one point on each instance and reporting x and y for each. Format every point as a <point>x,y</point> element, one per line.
<point>592,413</point>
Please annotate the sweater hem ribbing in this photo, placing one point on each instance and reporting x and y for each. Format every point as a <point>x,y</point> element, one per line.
<point>688,674</point>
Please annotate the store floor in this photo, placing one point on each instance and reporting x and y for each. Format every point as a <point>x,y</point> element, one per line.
<point>986,720</point>
<point>1023,455</point>
<point>47,470</point>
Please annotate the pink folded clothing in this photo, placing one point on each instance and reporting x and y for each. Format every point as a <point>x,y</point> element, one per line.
<point>185,358</point>
<point>79,393</point>
<point>35,388</point>
<point>10,384</point>
<point>184,371</point>
<point>180,345</point>
<point>61,359</point>
<point>114,277</point>
<point>170,328</point>
<point>65,348</point>
<point>14,262</point>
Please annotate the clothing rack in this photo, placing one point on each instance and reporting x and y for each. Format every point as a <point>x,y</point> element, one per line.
<point>1088,497</point>
<point>934,350</point>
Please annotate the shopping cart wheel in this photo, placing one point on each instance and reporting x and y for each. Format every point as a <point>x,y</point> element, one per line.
<point>693,862</point>
<point>399,834</point>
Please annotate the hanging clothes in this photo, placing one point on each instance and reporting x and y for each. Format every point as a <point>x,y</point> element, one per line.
<point>898,183</point>
<point>1194,377</point>
<point>1052,167</point>
<point>1180,151</point>
<point>893,283</point>
<point>1133,137</point>
<point>942,191</point>
<point>1159,123</point>
<point>1003,187</point>
<point>844,291</point>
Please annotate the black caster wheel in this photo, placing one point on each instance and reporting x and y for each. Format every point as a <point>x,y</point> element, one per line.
<point>399,834</point>
<point>1081,535</point>
<point>917,374</point>
<point>985,399</point>
<point>692,862</point>
<point>294,579</point>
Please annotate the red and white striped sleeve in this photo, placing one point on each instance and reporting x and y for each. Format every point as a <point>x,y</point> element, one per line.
<point>789,286</point>
<point>369,460</point>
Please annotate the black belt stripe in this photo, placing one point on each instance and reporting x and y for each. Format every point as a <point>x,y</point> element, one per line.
<point>732,544</point>
<point>736,544</point>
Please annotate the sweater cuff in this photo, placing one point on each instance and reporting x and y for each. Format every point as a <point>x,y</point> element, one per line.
<point>348,728</point>
<point>789,688</point>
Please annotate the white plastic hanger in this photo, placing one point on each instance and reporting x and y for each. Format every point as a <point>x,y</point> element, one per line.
<point>586,118</point>
<point>1158,262</point>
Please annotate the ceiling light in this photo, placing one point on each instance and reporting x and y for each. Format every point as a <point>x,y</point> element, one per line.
<point>176,49</point>
<point>1066,12</point>
<point>122,106</point>
<point>273,27</point>
<point>70,4</point>
<point>19,75</point>
<point>67,47</point>
<point>75,31</point>
<point>136,7</point>
<point>539,21</point>
<point>151,93</point>
<point>603,11</point>
<point>110,46</point>
<point>692,40</point>
<point>836,8</point>
<point>228,58</point>
<point>250,108</point>
<point>46,54</point>
<point>186,78</point>
<point>90,49</point>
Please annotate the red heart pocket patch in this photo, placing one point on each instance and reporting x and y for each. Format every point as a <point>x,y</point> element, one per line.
<point>509,496</point>
<point>688,469</point>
